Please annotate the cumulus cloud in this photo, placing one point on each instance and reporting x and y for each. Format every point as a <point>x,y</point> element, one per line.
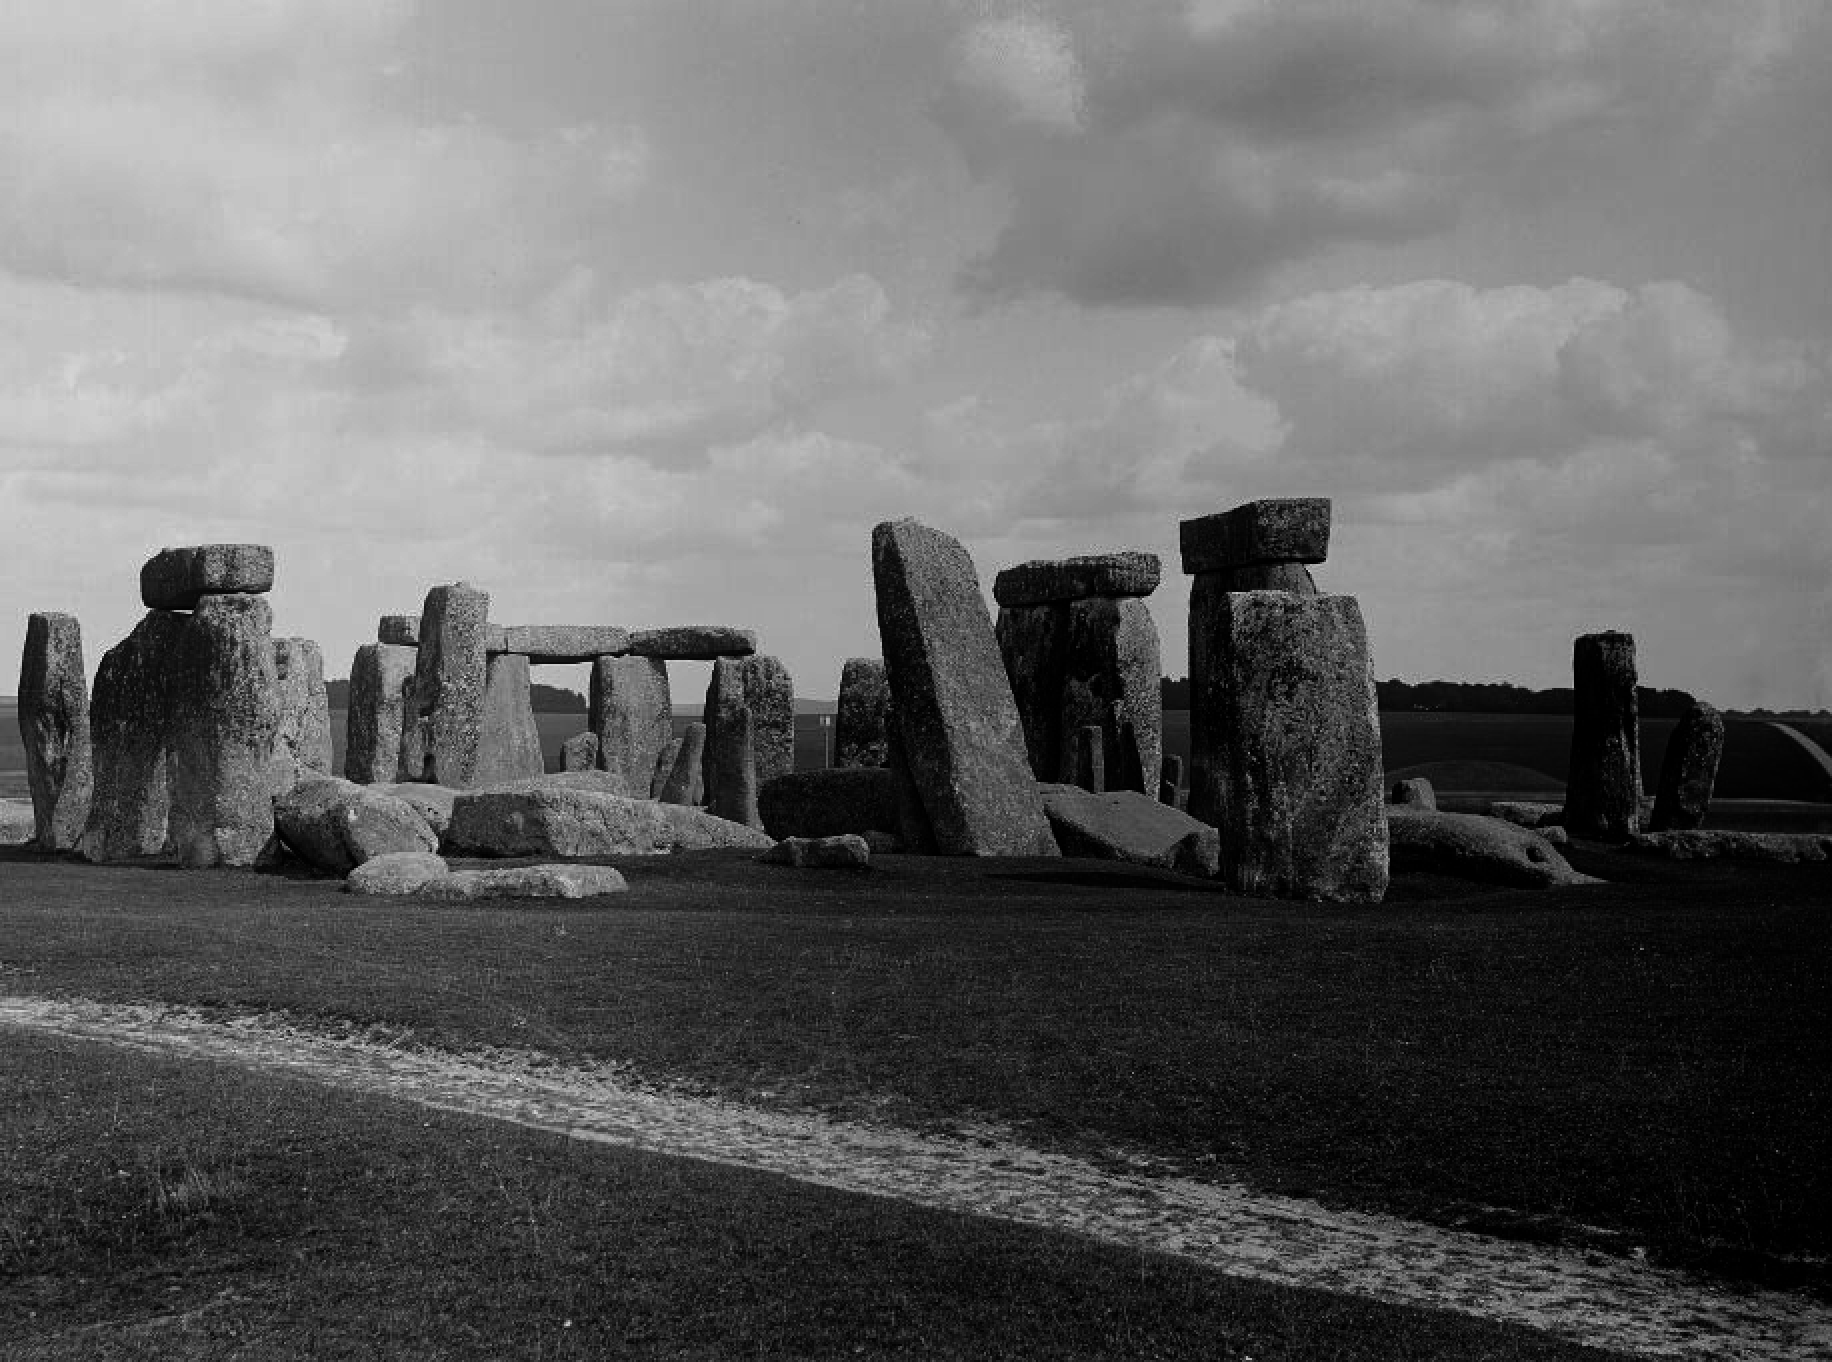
<point>1026,66</point>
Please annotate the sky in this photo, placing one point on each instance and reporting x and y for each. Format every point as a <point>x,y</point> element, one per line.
<point>644,313</point>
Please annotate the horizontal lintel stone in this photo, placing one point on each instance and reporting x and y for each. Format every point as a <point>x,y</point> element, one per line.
<point>563,642</point>
<point>176,579</point>
<point>1044,581</point>
<point>400,631</point>
<point>693,642</point>
<point>1277,530</point>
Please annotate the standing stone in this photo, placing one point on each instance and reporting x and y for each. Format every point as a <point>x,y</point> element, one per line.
<point>130,725</point>
<point>1111,677</point>
<point>769,694</point>
<point>1689,770</point>
<point>380,679</point>
<point>864,709</point>
<point>1294,784</point>
<point>724,698</point>
<point>54,728</point>
<point>508,742</point>
<point>580,752</point>
<point>735,796</point>
<point>302,741</point>
<point>1603,789</point>
<point>403,631</point>
<point>683,781</point>
<point>1032,642</point>
<point>1087,759</point>
<point>177,579</point>
<point>449,679</point>
<point>632,714</point>
<point>959,726</point>
<point>226,711</point>
<point>664,767</point>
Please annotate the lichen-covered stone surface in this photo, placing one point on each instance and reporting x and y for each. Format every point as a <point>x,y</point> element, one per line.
<point>54,729</point>
<point>579,752</point>
<point>844,851</point>
<point>524,882</point>
<point>1276,530</point>
<point>863,711</point>
<point>1292,577</point>
<point>731,744</point>
<point>508,743</point>
<point>1111,672</point>
<point>432,802</point>
<point>401,631</point>
<point>959,726</point>
<point>1286,745</point>
<point>380,680</point>
<point>395,873</point>
<point>545,818</point>
<point>632,713</point>
<point>1043,581</point>
<point>1688,772</point>
<point>1476,847</point>
<point>693,642</point>
<point>1722,844</point>
<point>1603,787</point>
<point>556,643</point>
<point>336,825</point>
<point>302,740</point>
<point>1125,825</point>
<point>769,693</point>
<point>684,782</point>
<point>226,711</point>
<point>829,802</point>
<point>130,727</point>
<point>1033,642</point>
<point>449,679</point>
<point>176,579</point>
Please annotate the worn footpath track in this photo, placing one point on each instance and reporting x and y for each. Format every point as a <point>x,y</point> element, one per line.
<point>1605,1302</point>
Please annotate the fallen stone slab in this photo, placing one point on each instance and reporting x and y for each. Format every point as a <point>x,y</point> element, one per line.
<point>827,803</point>
<point>1044,581</point>
<point>524,882</point>
<point>1276,530</point>
<point>693,642</point>
<point>432,802</point>
<point>336,825</point>
<point>1472,846</point>
<point>863,709</point>
<point>1722,844</point>
<point>545,818</point>
<point>401,631</point>
<point>1688,772</point>
<point>1127,825</point>
<point>176,579</point>
<point>846,851</point>
<point>395,873</point>
<point>556,643</point>
<point>380,701</point>
<point>1527,813</point>
<point>54,729</point>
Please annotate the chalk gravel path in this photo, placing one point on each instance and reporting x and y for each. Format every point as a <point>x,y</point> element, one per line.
<point>1605,1302</point>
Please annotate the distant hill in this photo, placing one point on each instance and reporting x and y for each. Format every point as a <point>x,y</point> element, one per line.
<point>1477,697</point>
<point>547,699</point>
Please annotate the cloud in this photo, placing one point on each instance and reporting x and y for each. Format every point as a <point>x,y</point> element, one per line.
<point>1026,66</point>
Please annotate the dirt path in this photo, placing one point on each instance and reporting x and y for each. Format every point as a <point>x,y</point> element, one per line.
<point>1609,1303</point>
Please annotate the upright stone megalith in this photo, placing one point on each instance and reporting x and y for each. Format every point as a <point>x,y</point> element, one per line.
<point>130,726</point>
<point>54,727</point>
<point>449,679</point>
<point>1112,675</point>
<point>733,748</point>
<point>302,741</point>
<point>952,701</point>
<point>761,684</point>
<point>1032,642</point>
<point>508,742</point>
<point>226,710</point>
<point>864,708</point>
<point>683,781</point>
<point>1689,770</point>
<point>1295,787</point>
<point>380,677</point>
<point>632,713</point>
<point>1603,788</point>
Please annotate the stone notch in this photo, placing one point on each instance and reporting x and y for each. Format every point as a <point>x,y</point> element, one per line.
<point>176,579</point>
<point>1277,530</point>
<point>1044,581</point>
<point>401,631</point>
<point>541,643</point>
<point>693,642</point>
<point>54,726</point>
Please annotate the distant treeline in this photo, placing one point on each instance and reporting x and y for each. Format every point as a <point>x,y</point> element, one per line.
<point>1471,697</point>
<point>547,699</point>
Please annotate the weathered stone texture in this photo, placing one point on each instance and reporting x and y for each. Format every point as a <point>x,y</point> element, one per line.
<point>1032,643</point>
<point>693,642</point>
<point>302,741</point>
<point>380,676</point>
<point>553,643</point>
<point>1689,770</point>
<point>828,802</point>
<point>54,729</point>
<point>580,752</point>
<point>632,712</point>
<point>1603,788</point>
<point>731,747</point>
<point>962,738</point>
<point>1414,792</point>
<point>864,709</point>
<point>1277,530</point>
<point>176,579</point>
<point>402,631</point>
<point>1724,844</point>
<point>684,780</point>
<point>508,743</point>
<point>1476,847</point>
<point>769,693</point>
<point>336,825</point>
<point>1111,673</point>
<point>547,818</point>
<point>843,851</point>
<point>1045,581</point>
<point>449,680</point>
<point>1288,765</point>
<point>130,725</point>
<point>1292,577</point>
<point>432,802</point>
<point>394,873</point>
<point>1125,825</point>
<point>524,882</point>
<point>226,712</point>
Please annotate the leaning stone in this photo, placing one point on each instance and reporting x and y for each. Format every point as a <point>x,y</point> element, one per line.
<point>693,642</point>
<point>683,777</point>
<point>335,825</point>
<point>863,710</point>
<point>54,729</point>
<point>1125,825</point>
<point>1277,530</point>
<point>1721,844</point>
<point>508,743</point>
<point>1033,642</point>
<point>1086,760</point>
<point>632,713</point>
<point>380,678</point>
<point>1044,581</point>
<point>1689,770</point>
<point>1474,847</point>
<point>579,752</point>
<point>826,803</point>
<point>1603,789</point>
<point>226,711</point>
<point>1112,678</point>
<point>524,882</point>
<point>959,726</point>
<point>1414,792</point>
<point>395,873</point>
<point>18,822</point>
<point>543,818</point>
<point>1527,813</point>
<point>1286,745</point>
<point>449,680</point>
<point>130,725</point>
<point>302,742</point>
<point>565,642</point>
<point>432,802</point>
<point>176,579</point>
<point>401,631</point>
<point>845,851</point>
